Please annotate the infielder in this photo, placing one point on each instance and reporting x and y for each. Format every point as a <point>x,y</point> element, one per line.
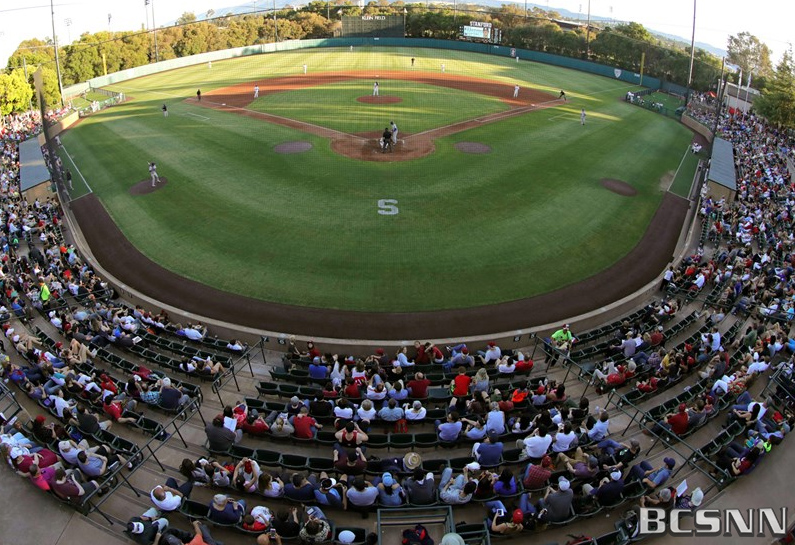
<point>562,95</point>
<point>394,132</point>
<point>375,89</point>
<point>304,69</point>
<point>442,68</point>
<point>582,117</point>
<point>516,91</point>
<point>165,110</point>
<point>256,91</point>
<point>153,174</point>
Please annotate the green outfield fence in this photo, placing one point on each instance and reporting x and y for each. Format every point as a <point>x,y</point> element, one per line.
<point>291,45</point>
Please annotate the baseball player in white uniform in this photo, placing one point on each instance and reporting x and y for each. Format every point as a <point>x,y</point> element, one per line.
<point>153,174</point>
<point>394,132</point>
<point>375,89</point>
<point>256,91</point>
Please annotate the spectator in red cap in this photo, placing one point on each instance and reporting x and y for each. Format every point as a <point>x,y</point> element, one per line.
<point>502,521</point>
<point>492,354</point>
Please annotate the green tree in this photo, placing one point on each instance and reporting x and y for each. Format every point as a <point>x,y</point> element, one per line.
<point>751,55</point>
<point>777,102</point>
<point>186,18</point>
<point>15,92</point>
<point>50,90</point>
<point>636,31</point>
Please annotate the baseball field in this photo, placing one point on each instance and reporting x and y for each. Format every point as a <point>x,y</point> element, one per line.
<point>287,198</point>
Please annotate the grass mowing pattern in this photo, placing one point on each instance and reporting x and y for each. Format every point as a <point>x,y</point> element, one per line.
<point>334,106</point>
<point>304,229</point>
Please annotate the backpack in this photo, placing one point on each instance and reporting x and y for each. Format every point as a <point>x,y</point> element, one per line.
<point>416,536</point>
<point>401,426</point>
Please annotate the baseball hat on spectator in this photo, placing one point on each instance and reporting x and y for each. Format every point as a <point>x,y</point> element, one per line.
<point>665,494</point>
<point>546,461</point>
<point>387,479</point>
<point>518,516</point>
<point>670,462</point>
<point>379,351</point>
<point>697,498</point>
<point>346,536</point>
<point>465,350</point>
<point>135,527</point>
<point>615,475</point>
<point>492,344</point>
<point>564,484</point>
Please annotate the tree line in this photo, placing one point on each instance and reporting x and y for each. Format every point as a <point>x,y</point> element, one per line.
<point>621,45</point>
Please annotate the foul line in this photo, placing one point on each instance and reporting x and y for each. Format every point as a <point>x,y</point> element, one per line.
<point>196,115</point>
<point>77,169</point>
<point>677,170</point>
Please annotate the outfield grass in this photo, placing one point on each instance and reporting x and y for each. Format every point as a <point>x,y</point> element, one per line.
<point>335,105</point>
<point>304,229</point>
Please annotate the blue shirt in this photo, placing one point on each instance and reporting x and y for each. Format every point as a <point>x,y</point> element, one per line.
<point>449,431</point>
<point>317,371</point>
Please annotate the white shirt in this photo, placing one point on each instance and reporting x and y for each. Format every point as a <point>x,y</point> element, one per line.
<point>170,502</point>
<point>493,353</point>
<point>758,367</point>
<point>564,441</point>
<point>418,415</point>
<point>536,446</point>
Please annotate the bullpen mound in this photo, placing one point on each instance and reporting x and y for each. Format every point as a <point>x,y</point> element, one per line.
<point>617,186</point>
<point>144,187</point>
<point>386,99</point>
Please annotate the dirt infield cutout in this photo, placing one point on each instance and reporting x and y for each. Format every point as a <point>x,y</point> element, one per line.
<point>386,99</point>
<point>144,187</point>
<point>298,146</point>
<point>364,147</point>
<point>472,147</point>
<point>618,187</point>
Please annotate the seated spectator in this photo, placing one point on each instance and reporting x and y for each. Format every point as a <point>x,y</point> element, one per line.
<point>305,426</point>
<point>504,522</point>
<point>609,490</point>
<point>565,439</point>
<point>420,487</point>
<point>270,486</point>
<point>246,475</point>
<point>254,424</point>
<point>677,422</point>
<point>535,445</point>
<point>505,484</point>
<point>391,412</point>
<point>169,497</point>
<point>600,429</point>
<point>172,398</point>
<point>662,498</point>
<point>286,523</point>
<point>362,493</point>
<point>147,528</point>
<point>219,438</point>
<point>258,519</point>
<point>301,488</point>
<point>225,510</point>
<point>67,487</point>
<point>115,408</point>
<point>390,493</point>
<point>330,492</point>
<point>350,462</point>
<point>556,505</point>
<point>281,427</point>
<point>489,452</point>
<point>88,423</point>
<point>650,476</point>
<point>459,386</point>
<point>415,411</point>
<point>418,386</point>
<point>449,430</point>
<point>316,529</point>
<point>457,491</point>
<point>536,476</point>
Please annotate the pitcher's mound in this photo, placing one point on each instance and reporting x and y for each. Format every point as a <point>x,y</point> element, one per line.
<point>298,146</point>
<point>617,186</point>
<point>472,147</point>
<point>144,187</point>
<point>386,99</point>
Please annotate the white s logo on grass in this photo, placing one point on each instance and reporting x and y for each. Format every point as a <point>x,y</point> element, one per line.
<point>387,207</point>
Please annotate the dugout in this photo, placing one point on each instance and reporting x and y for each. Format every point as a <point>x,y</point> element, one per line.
<point>721,177</point>
<point>34,176</point>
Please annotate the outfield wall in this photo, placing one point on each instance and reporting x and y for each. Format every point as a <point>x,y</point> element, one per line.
<point>291,45</point>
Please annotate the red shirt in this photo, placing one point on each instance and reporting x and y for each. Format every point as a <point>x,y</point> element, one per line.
<point>303,425</point>
<point>678,423</point>
<point>259,427</point>
<point>422,357</point>
<point>113,411</point>
<point>461,385</point>
<point>419,388</point>
<point>352,391</point>
<point>437,354</point>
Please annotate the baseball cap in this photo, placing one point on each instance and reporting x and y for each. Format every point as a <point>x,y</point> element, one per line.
<point>135,527</point>
<point>564,484</point>
<point>346,536</point>
<point>465,350</point>
<point>219,499</point>
<point>634,443</point>
<point>387,479</point>
<point>518,516</point>
<point>670,462</point>
<point>616,475</point>
<point>697,498</point>
<point>492,344</point>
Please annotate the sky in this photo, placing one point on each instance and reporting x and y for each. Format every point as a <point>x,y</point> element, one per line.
<point>716,20</point>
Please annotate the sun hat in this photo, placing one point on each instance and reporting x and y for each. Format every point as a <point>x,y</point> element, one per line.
<point>412,461</point>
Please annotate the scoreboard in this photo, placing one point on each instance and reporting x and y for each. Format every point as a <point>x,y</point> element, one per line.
<point>366,26</point>
<point>479,31</point>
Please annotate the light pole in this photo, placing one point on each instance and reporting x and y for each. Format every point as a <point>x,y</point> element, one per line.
<point>57,57</point>
<point>692,53</point>
<point>405,12</point>
<point>154,26</point>
<point>588,33</point>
